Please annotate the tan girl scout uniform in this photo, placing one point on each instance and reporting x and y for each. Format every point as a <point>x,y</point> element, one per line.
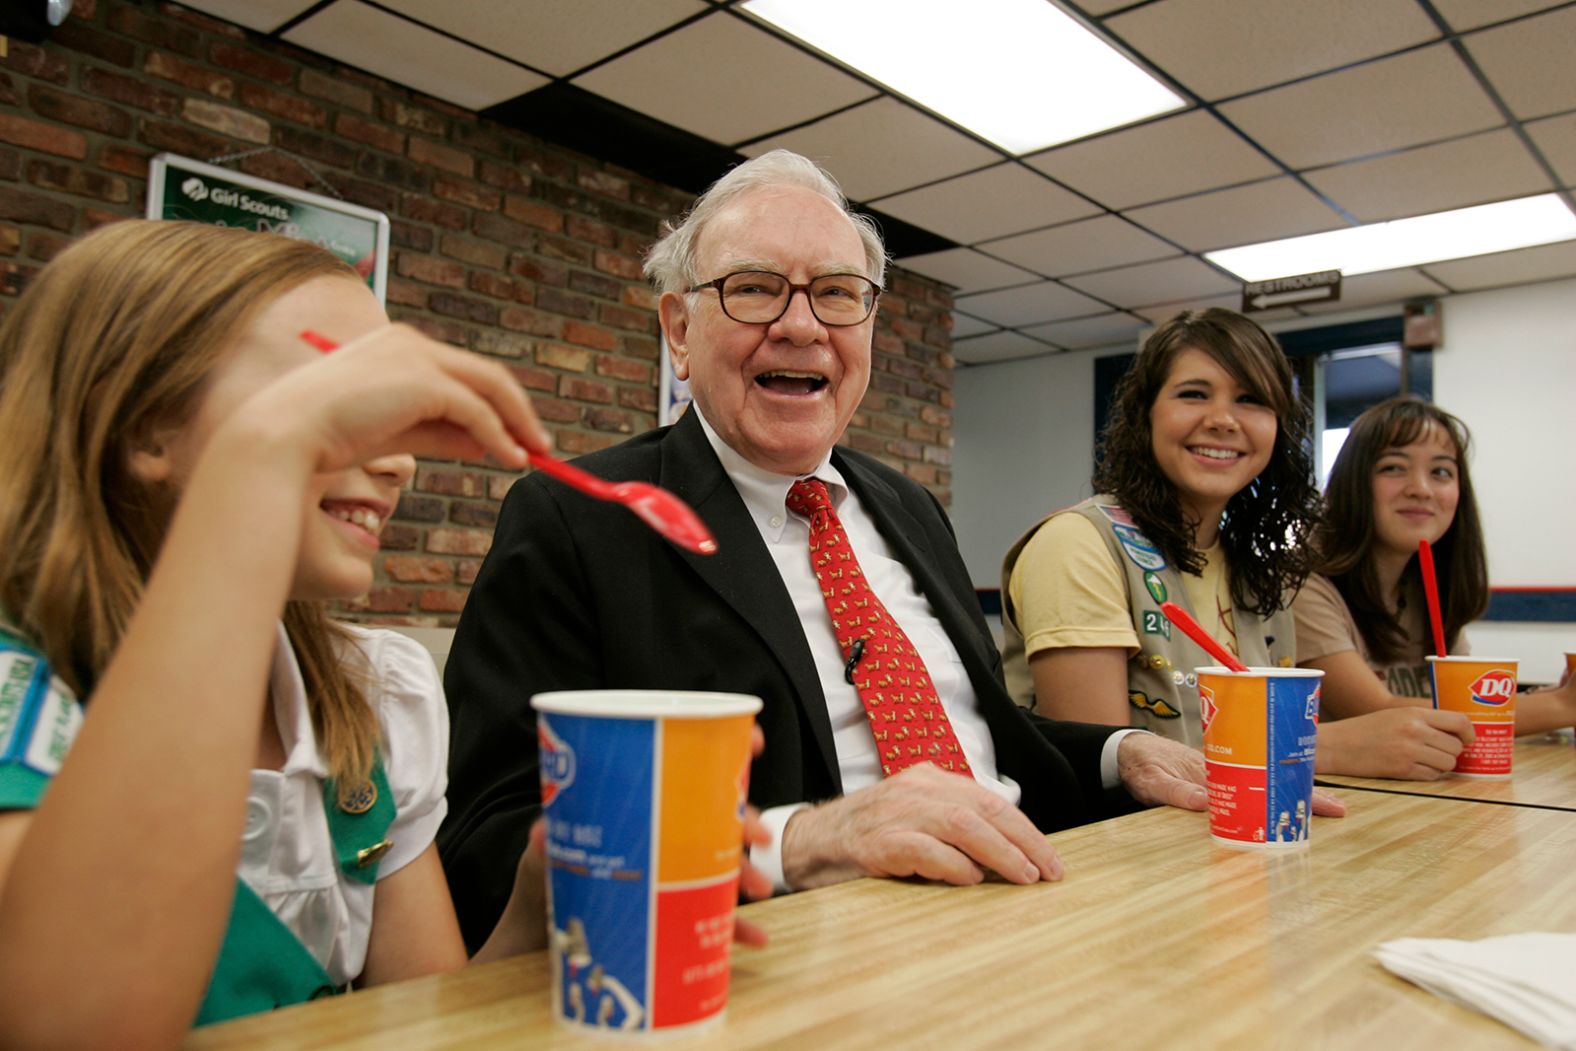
<point>1125,611</point>
<point>311,853</point>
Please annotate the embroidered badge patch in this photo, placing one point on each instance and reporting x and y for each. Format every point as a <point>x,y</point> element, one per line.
<point>1157,589</point>
<point>38,716</point>
<point>1115,514</point>
<point>1142,701</point>
<point>1156,623</point>
<point>1144,554</point>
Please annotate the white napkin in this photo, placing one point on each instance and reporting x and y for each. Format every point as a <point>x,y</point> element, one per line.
<point>1527,981</point>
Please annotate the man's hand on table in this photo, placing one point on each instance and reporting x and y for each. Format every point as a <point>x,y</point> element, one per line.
<point>923,822</point>
<point>1158,771</point>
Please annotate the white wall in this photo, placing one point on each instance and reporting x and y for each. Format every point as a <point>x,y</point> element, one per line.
<point>1024,446</point>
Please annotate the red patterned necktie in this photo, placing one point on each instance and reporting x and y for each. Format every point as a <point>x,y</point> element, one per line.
<point>905,714</point>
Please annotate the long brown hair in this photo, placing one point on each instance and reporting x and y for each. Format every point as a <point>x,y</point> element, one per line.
<point>1267,524</point>
<point>1346,542</point>
<point>115,337</point>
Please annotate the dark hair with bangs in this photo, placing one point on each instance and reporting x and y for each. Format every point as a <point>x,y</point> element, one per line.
<point>1346,543</point>
<point>1267,525</point>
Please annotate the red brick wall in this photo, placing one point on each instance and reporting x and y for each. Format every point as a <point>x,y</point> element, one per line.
<point>502,243</point>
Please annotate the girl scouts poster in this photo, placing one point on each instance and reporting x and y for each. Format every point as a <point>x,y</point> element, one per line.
<point>181,188</point>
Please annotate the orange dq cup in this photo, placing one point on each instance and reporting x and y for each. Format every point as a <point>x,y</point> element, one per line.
<point>1484,690</point>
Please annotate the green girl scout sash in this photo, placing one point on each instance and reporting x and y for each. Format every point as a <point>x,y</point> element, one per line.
<point>262,964</point>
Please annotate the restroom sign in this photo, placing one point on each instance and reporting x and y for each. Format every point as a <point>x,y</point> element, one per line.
<point>1321,287</point>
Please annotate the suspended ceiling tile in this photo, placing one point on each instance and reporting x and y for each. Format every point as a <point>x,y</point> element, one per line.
<point>1469,14</point>
<point>985,204</point>
<point>555,36</point>
<point>707,78</point>
<point>1523,266</point>
<point>1220,48</point>
<point>1153,162</point>
<point>964,326</point>
<point>1478,169</point>
<point>265,16</point>
<point>1261,211</point>
<point>1103,330</point>
<point>1162,282</point>
<point>881,147</point>
<point>998,346</point>
<point>1388,286</point>
<point>966,269</point>
<point>1091,244</point>
<point>1530,63</point>
<point>1407,100</point>
<point>1556,137</point>
<point>1163,312</point>
<point>1029,305</point>
<point>389,46</point>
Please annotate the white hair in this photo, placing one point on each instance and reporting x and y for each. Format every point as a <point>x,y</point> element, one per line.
<point>670,264</point>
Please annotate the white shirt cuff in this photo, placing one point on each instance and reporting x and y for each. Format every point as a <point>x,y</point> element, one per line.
<point>769,859</point>
<point>1110,776</point>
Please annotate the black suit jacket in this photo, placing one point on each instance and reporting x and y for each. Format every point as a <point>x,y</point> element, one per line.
<point>579,594</point>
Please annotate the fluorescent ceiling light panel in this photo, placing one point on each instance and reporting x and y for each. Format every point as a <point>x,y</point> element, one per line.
<point>1020,73</point>
<point>1422,239</point>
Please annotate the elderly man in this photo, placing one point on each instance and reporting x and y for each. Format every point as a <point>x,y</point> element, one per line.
<point>837,595</point>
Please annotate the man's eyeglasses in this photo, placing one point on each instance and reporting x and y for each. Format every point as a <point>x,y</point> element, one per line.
<point>759,297</point>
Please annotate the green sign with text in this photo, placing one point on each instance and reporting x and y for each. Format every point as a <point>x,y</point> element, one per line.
<point>180,188</point>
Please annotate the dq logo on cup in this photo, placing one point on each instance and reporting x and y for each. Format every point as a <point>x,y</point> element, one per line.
<point>558,762</point>
<point>1493,688</point>
<point>643,795</point>
<point>1484,690</point>
<point>1259,735</point>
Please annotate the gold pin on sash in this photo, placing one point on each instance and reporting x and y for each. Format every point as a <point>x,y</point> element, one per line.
<point>372,854</point>
<point>358,798</point>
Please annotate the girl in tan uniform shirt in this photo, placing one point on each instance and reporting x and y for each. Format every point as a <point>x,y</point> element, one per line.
<point>1205,451</point>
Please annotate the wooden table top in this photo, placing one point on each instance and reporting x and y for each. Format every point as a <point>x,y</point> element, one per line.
<point>1156,937</point>
<point>1543,773</point>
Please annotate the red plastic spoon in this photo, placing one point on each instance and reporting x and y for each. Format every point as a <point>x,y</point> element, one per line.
<point>660,509</point>
<point>1195,631</point>
<point>1425,564</point>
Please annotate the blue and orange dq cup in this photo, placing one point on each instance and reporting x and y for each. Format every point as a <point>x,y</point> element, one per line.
<point>1260,730</point>
<point>644,795</point>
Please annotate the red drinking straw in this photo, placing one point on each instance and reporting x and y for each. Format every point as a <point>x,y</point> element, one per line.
<point>1425,562</point>
<point>1195,631</point>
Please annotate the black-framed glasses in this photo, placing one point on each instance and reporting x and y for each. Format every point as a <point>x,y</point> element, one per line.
<point>759,297</point>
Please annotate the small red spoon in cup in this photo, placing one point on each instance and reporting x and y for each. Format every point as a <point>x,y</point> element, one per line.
<point>660,509</point>
<point>1195,631</point>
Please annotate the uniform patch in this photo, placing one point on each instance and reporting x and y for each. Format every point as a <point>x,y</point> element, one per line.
<point>1116,514</point>
<point>1144,554</point>
<point>1142,701</point>
<point>39,718</point>
<point>1156,588</point>
<point>1156,623</point>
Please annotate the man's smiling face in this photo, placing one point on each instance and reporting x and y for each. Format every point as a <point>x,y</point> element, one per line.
<point>779,394</point>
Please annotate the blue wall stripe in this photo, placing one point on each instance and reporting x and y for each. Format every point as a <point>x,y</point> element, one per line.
<point>1536,606</point>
